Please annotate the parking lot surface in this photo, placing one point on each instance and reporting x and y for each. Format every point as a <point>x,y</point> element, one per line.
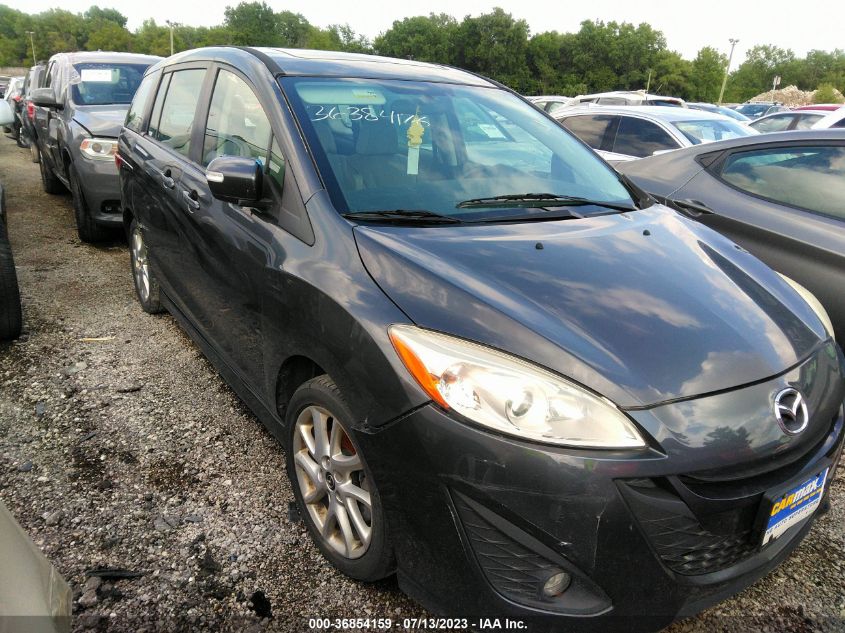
<point>122,449</point>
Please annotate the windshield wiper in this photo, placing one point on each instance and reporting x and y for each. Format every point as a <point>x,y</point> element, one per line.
<point>538,200</point>
<point>410,216</point>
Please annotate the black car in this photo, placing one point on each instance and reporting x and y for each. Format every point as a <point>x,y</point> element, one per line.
<point>498,369</point>
<point>781,196</point>
<point>26,111</point>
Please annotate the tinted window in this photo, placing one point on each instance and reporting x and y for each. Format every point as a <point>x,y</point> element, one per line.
<point>438,145</point>
<point>612,101</point>
<point>589,128</point>
<point>662,102</point>
<point>805,121</point>
<point>135,116</point>
<point>155,116</point>
<point>638,137</point>
<point>708,130</point>
<point>276,165</point>
<point>179,108</point>
<point>102,84</point>
<point>807,177</point>
<point>237,124</point>
<point>776,123</point>
<point>839,124</point>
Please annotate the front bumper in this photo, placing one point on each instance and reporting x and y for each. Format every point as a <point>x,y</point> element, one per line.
<point>101,190</point>
<point>479,520</point>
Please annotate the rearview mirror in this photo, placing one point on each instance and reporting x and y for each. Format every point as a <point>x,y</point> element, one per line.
<point>7,115</point>
<point>235,179</point>
<point>45,97</point>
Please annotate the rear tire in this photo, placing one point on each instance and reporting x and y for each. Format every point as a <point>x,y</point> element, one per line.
<point>49,181</point>
<point>146,285</point>
<point>10,298</point>
<point>88,230</point>
<point>334,489</point>
<point>34,156</point>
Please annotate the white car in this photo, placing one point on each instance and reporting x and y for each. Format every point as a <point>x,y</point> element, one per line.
<point>787,121</point>
<point>550,103</point>
<point>629,98</point>
<point>834,119</point>
<point>630,132</point>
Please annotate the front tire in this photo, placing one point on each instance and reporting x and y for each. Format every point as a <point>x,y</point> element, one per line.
<point>34,156</point>
<point>49,181</point>
<point>334,489</point>
<point>87,229</point>
<point>146,285</point>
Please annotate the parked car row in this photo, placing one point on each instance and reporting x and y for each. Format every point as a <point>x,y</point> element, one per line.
<point>495,363</point>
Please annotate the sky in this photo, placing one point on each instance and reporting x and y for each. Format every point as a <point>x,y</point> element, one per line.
<point>687,26</point>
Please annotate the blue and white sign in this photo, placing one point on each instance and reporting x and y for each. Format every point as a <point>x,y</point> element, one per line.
<point>795,506</point>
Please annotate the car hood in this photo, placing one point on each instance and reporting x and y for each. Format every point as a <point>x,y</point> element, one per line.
<point>101,120</point>
<point>642,307</point>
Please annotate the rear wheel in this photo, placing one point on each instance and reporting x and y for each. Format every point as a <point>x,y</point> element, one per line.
<point>49,181</point>
<point>146,286</point>
<point>334,489</point>
<point>88,230</point>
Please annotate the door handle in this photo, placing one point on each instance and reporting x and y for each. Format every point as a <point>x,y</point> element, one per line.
<point>164,176</point>
<point>192,199</point>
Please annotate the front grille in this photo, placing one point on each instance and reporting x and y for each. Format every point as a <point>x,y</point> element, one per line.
<point>514,571</point>
<point>683,544</point>
<point>687,548</point>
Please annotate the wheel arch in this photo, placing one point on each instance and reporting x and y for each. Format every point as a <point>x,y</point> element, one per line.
<point>295,371</point>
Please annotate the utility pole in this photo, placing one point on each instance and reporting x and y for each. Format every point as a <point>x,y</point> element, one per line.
<point>32,41</point>
<point>171,25</point>
<point>727,70</point>
<point>648,83</point>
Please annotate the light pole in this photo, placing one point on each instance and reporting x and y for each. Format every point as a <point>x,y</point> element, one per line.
<point>171,25</point>
<point>727,70</point>
<point>32,41</point>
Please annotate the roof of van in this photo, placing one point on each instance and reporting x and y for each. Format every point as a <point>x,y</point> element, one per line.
<point>303,62</point>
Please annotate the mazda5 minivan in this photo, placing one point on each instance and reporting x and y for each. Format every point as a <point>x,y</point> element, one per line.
<point>498,369</point>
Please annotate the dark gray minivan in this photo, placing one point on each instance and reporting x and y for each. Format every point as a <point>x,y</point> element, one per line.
<point>79,111</point>
<point>498,369</point>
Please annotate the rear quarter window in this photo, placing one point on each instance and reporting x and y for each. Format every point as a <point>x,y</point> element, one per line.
<point>589,128</point>
<point>809,178</point>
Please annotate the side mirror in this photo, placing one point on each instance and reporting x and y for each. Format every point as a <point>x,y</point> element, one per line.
<point>46,98</point>
<point>235,179</point>
<point>7,116</point>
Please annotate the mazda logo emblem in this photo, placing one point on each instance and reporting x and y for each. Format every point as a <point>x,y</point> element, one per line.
<point>791,411</point>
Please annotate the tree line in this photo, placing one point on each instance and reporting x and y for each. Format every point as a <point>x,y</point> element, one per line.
<point>600,56</point>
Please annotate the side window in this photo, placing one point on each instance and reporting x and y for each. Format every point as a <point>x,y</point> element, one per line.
<point>276,165</point>
<point>589,128</point>
<point>178,110</point>
<point>811,178</point>
<point>640,138</point>
<point>839,124</point>
<point>773,124</point>
<point>50,72</point>
<point>135,116</point>
<point>556,106</point>
<point>617,101</point>
<point>805,121</point>
<point>237,124</point>
<point>155,116</point>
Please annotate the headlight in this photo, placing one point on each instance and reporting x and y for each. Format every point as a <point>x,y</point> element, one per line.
<point>510,395</point>
<point>102,148</point>
<point>813,302</point>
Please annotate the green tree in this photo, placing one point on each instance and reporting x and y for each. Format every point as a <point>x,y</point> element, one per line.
<point>96,14</point>
<point>761,65</point>
<point>253,24</point>
<point>826,93</point>
<point>495,44</point>
<point>426,38</point>
<point>108,36</point>
<point>706,73</point>
<point>294,30</point>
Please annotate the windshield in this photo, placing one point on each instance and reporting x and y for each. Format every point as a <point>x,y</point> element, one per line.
<point>709,130</point>
<point>384,145</point>
<point>736,116</point>
<point>753,109</point>
<point>103,84</point>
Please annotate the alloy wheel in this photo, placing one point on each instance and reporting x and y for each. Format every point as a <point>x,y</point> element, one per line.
<point>333,483</point>
<point>140,267</point>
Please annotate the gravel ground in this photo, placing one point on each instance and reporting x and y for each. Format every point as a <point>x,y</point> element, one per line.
<point>121,447</point>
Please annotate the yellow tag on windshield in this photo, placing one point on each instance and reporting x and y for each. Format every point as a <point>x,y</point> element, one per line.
<point>415,136</point>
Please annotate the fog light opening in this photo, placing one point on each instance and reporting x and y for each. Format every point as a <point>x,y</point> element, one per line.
<point>556,584</point>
